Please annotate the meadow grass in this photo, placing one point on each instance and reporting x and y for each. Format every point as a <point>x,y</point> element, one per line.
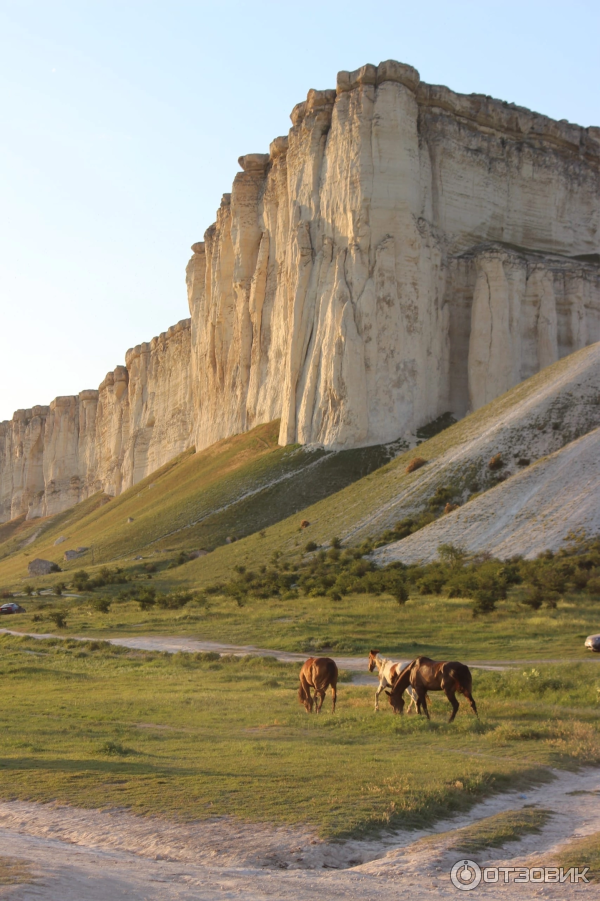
<point>436,626</point>
<point>582,852</point>
<point>494,831</point>
<point>191,736</point>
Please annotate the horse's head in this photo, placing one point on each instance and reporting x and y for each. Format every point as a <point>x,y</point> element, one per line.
<point>304,697</point>
<point>396,700</point>
<point>372,660</point>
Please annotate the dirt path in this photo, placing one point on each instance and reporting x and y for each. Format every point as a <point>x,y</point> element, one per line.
<point>175,644</point>
<point>97,855</point>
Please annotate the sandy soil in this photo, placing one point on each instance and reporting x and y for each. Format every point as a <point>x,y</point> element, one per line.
<point>108,855</point>
<point>531,512</point>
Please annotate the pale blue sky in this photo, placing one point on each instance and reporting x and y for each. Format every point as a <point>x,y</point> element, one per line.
<point>121,124</point>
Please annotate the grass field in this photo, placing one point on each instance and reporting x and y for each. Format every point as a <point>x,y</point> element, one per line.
<point>191,736</point>
<point>434,625</point>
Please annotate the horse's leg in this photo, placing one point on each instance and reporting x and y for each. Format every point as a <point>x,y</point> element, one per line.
<point>333,698</point>
<point>321,695</point>
<point>378,692</point>
<point>306,687</point>
<point>450,694</point>
<point>422,702</point>
<point>471,701</point>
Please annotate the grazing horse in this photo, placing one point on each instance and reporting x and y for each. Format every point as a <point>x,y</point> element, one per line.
<point>388,671</point>
<point>426,675</point>
<point>318,673</point>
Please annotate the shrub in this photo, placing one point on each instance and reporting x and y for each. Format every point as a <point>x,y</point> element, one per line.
<point>415,463</point>
<point>399,592</point>
<point>333,553</point>
<point>593,585</point>
<point>59,588</point>
<point>304,524</point>
<point>28,590</point>
<point>59,618</point>
<point>102,605</point>
<point>174,601</point>
<point>81,581</point>
<point>484,600</point>
<point>496,462</point>
<point>335,542</point>
<point>37,617</point>
<point>150,567</point>
<point>449,508</point>
<point>310,546</point>
<point>146,597</point>
<point>452,555</point>
<point>4,594</point>
<point>238,568</point>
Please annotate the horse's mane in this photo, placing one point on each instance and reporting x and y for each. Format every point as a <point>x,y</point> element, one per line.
<point>403,676</point>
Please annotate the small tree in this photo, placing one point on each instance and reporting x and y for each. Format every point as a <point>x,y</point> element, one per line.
<point>59,618</point>
<point>28,589</point>
<point>452,555</point>
<point>102,605</point>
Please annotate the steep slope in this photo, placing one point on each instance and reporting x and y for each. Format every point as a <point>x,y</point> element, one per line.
<point>536,418</point>
<point>238,486</point>
<point>532,512</point>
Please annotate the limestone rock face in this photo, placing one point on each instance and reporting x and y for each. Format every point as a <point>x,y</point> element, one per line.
<point>403,252</point>
<point>106,439</point>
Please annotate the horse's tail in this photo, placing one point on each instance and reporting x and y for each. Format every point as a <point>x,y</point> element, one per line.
<point>463,678</point>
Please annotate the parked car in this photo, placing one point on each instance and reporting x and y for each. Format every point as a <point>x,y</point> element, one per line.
<point>593,642</point>
<point>11,608</point>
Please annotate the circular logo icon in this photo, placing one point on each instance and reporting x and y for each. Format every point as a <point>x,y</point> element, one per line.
<point>465,875</point>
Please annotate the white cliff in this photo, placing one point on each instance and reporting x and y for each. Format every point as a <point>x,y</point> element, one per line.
<point>404,251</point>
<point>106,440</point>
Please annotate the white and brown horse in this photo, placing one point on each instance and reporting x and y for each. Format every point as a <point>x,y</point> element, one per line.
<point>318,673</point>
<point>388,672</point>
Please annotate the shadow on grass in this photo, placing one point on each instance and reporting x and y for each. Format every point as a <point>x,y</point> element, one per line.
<point>82,767</point>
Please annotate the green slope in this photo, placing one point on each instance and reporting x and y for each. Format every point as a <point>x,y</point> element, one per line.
<point>196,501</point>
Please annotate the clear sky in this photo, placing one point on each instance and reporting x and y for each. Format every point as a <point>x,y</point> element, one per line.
<point>121,123</point>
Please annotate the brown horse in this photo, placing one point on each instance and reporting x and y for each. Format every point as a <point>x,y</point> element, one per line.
<point>426,675</point>
<point>318,673</point>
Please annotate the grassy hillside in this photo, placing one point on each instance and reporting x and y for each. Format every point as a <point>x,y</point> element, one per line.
<point>196,501</point>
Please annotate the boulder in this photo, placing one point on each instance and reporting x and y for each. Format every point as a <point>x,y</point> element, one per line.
<point>39,567</point>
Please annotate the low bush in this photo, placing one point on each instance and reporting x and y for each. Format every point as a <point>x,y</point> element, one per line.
<point>415,463</point>
<point>59,618</point>
<point>496,463</point>
<point>102,605</point>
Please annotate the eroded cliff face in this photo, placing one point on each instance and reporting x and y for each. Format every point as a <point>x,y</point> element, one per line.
<point>404,251</point>
<point>106,440</point>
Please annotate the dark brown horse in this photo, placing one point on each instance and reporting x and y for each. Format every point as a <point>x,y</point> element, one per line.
<point>318,673</point>
<point>426,675</point>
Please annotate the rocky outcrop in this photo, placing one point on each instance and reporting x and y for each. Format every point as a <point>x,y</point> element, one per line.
<point>403,252</point>
<point>39,567</point>
<point>106,439</point>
